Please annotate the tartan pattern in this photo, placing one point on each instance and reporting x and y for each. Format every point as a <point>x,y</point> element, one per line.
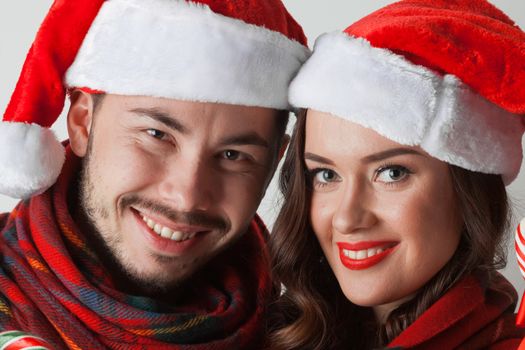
<point>53,286</point>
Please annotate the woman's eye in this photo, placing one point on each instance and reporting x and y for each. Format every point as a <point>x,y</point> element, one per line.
<point>392,174</point>
<point>323,179</point>
<point>325,176</point>
<point>156,133</point>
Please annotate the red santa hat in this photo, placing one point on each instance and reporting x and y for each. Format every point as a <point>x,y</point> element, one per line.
<point>445,75</point>
<point>228,51</point>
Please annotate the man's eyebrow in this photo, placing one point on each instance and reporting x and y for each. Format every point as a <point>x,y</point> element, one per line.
<point>250,138</point>
<point>389,154</point>
<point>317,158</point>
<point>162,117</point>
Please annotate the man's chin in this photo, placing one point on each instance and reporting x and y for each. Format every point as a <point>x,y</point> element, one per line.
<point>154,282</point>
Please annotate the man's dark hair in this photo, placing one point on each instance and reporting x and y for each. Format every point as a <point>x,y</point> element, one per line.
<point>283,117</point>
<point>97,100</point>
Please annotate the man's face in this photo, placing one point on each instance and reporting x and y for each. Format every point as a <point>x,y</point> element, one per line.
<point>169,184</point>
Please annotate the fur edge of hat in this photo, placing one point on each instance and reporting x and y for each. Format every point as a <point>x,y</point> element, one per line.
<point>26,170</point>
<point>347,76</point>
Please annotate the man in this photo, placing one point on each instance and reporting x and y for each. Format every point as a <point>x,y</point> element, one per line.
<point>145,236</point>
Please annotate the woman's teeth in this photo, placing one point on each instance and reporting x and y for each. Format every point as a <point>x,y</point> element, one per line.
<point>362,254</point>
<point>165,232</point>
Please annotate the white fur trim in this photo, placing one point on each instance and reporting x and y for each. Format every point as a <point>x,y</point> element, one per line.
<point>177,49</point>
<point>31,159</point>
<point>409,104</point>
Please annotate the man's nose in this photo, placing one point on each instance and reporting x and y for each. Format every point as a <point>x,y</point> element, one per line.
<point>354,211</point>
<point>188,185</point>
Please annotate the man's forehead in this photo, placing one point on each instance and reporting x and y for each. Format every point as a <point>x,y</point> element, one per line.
<point>183,108</point>
<point>225,123</point>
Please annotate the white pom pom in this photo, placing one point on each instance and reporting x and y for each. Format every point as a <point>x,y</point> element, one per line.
<point>31,159</point>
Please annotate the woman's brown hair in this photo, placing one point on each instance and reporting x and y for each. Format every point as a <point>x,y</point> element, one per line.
<point>313,313</point>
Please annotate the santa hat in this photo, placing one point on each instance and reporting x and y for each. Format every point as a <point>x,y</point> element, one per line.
<point>445,75</point>
<point>228,51</point>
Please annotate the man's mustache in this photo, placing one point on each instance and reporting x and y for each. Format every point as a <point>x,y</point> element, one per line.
<point>193,218</point>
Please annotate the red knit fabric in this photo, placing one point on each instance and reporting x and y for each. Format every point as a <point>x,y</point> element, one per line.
<point>52,285</point>
<point>469,316</point>
<point>270,14</point>
<point>40,91</point>
<point>470,39</point>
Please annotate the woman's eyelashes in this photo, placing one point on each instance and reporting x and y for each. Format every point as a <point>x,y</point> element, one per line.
<point>321,178</point>
<point>392,174</point>
<point>387,174</point>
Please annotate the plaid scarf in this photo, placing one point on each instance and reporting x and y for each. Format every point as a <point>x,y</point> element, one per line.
<point>53,286</point>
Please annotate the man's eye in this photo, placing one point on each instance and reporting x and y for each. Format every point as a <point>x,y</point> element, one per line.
<point>231,154</point>
<point>156,133</point>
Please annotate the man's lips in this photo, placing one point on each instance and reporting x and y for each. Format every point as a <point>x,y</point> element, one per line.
<point>165,241</point>
<point>173,226</point>
<point>364,254</point>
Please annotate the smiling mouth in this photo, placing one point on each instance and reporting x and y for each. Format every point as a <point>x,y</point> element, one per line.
<point>166,232</point>
<point>363,255</point>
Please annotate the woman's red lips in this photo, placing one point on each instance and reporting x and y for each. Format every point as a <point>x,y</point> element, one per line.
<point>363,255</point>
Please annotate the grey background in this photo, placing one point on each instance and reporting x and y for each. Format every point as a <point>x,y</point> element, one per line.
<point>19,21</point>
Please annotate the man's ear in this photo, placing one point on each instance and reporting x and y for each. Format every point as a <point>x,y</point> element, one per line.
<point>79,121</point>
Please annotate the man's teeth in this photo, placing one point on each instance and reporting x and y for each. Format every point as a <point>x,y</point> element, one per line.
<point>165,232</point>
<point>362,254</point>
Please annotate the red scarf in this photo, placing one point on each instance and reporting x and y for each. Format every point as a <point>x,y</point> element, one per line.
<point>53,286</point>
<point>469,316</point>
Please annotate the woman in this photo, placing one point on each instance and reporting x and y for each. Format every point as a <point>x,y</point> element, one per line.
<point>395,207</point>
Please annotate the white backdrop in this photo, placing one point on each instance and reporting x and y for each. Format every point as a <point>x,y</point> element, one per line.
<point>19,21</point>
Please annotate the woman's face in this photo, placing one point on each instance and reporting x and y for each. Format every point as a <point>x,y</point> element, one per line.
<point>385,214</point>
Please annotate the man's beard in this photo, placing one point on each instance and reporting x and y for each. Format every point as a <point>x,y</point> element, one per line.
<point>108,242</point>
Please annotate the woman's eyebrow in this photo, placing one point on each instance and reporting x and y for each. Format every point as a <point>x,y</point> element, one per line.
<point>389,153</point>
<point>317,158</point>
<point>368,159</point>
